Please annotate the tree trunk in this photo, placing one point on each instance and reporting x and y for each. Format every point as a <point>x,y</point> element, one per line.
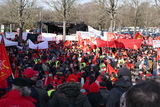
<point>112,22</point>
<point>64,30</point>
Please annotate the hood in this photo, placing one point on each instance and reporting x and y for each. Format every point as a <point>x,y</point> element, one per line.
<point>70,89</point>
<point>124,82</point>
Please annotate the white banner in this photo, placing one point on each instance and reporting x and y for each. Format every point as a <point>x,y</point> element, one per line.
<point>10,35</point>
<point>24,35</point>
<point>84,35</point>
<point>42,45</point>
<point>8,42</point>
<point>48,34</point>
<point>47,37</point>
<point>72,38</point>
<point>156,43</point>
<point>94,32</point>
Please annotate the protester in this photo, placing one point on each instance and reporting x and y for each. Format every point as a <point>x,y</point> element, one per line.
<point>103,90</point>
<point>18,96</point>
<point>121,85</point>
<point>144,94</point>
<point>31,76</point>
<point>94,97</point>
<point>43,96</point>
<point>69,95</point>
<point>55,64</point>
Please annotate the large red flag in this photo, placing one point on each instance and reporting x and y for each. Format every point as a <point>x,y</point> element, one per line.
<point>109,36</point>
<point>150,41</point>
<point>131,43</point>
<point>102,43</point>
<point>5,68</point>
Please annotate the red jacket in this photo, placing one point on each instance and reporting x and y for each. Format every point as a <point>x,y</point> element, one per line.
<point>14,99</point>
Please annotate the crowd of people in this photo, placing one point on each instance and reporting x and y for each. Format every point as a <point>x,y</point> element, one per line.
<point>66,76</point>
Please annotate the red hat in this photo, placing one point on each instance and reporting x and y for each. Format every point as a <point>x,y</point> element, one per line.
<point>148,75</point>
<point>72,77</point>
<point>29,72</point>
<point>94,88</point>
<point>86,85</point>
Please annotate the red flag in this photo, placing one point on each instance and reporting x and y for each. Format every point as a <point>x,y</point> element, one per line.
<point>66,43</point>
<point>131,43</point>
<point>80,41</point>
<point>110,69</point>
<point>138,35</point>
<point>89,42</point>
<point>158,54</point>
<point>150,41</point>
<point>109,36</point>
<point>102,43</point>
<point>5,68</point>
<point>95,57</point>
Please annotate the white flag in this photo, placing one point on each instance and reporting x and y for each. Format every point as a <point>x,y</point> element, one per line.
<point>43,45</point>
<point>31,44</point>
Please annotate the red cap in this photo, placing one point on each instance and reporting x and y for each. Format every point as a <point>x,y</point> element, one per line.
<point>72,77</point>
<point>29,72</point>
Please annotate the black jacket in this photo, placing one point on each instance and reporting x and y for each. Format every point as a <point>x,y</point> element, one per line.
<point>96,100</point>
<point>69,94</point>
<point>121,85</point>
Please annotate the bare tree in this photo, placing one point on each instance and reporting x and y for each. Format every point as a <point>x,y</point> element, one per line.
<point>112,6</point>
<point>137,14</point>
<point>63,8</point>
<point>100,12</point>
<point>157,4</point>
<point>24,7</point>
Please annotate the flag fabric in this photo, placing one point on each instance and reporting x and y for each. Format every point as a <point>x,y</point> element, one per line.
<point>131,43</point>
<point>5,68</point>
<point>95,57</point>
<point>43,45</point>
<point>102,43</point>
<point>138,35</point>
<point>150,41</point>
<point>158,57</point>
<point>10,43</point>
<point>67,43</point>
<point>32,45</point>
<point>109,36</point>
<point>110,69</point>
<point>156,43</point>
<point>158,54</point>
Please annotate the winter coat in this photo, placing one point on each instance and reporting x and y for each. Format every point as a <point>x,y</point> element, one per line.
<point>96,100</point>
<point>43,97</point>
<point>69,94</point>
<point>14,99</point>
<point>121,85</point>
<point>104,92</point>
<point>34,93</point>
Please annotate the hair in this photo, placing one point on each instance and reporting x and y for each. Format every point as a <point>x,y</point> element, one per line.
<point>144,94</point>
<point>24,90</point>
